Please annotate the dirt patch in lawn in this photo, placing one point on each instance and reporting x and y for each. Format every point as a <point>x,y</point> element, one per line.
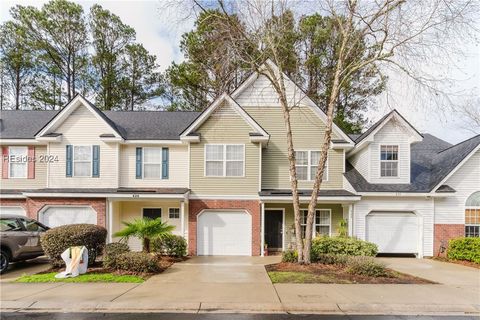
<point>462,262</point>
<point>321,273</point>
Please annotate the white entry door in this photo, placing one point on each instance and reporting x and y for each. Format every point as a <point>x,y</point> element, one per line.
<point>393,232</point>
<point>225,233</point>
<point>59,216</point>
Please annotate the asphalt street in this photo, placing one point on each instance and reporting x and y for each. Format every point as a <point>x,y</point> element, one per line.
<point>213,316</point>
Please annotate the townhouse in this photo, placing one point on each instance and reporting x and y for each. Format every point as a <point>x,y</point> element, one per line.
<point>221,176</point>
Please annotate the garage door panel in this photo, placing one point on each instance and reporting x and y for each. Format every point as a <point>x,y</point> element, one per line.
<point>59,216</point>
<point>393,232</point>
<point>224,233</point>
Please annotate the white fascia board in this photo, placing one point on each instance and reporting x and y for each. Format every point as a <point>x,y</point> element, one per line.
<point>50,139</point>
<point>193,139</point>
<point>162,142</point>
<point>456,168</point>
<point>307,199</point>
<point>404,194</point>
<point>132,196</point>
<point>223,197</point>
<point>111,139</point>
<point>341,145</point>
<point>13,142</point>
<point>12,196</point>
<point>65,113</point>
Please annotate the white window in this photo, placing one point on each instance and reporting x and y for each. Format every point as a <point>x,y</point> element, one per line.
<point>389,161</point>
<point>321,224</point>
<point>18,162</point>
<point>82,161</point>
<point>224,160</point>
<point>152,163</point>
<point>306,164</point>
<point>174,213</point>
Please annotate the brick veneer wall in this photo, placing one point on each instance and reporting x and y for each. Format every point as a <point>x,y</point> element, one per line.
<point>445,232</point>
<point>33,206</point>
<point>197,206</point>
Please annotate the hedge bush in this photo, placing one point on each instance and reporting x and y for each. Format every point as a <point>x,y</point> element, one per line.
<point>366,266</point>
<point>289,256</point>
<point>112,250</point>
<point>56,240</point>
<point>464,249</point>
<point>138,262</point>
<point>342,246</point>
<point>171,245</point>
<point>339,259</point>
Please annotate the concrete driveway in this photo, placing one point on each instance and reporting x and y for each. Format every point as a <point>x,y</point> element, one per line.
<point>18,269</point>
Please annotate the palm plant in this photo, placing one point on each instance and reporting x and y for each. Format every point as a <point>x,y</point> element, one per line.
<point>145,229</point>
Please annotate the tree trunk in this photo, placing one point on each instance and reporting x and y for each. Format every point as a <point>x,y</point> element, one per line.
<point>146,245</point>
<point>17,89</point>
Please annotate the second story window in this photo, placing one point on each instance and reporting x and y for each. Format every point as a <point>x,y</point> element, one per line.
<point>306,163</point>
<point>82,161</point>
<point>389,161</point>
<point>18,162</point>
<point>224,160</point>
<point>152,163</point>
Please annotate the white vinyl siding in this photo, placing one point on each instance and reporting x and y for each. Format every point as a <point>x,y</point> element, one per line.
<point>18,162</point>
<point>82,127</point>
<point>40,180</point>
<point>177,167</point>
<point>224,160</point>
<point>465,181</point>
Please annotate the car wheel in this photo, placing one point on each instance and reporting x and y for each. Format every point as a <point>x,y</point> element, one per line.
<point>4,261</point>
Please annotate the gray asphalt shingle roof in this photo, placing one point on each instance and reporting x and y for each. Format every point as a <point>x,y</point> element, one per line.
<point>431,161</point>
<point>133,125</point>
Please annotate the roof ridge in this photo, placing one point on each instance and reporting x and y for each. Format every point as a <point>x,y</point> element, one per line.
<point>461,142</point>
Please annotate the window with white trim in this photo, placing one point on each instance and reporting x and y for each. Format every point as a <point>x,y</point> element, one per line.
<point>152,163</point>
<point>18,162</point>
<point>389,161</point>
<point>306,164</point>
<point>174,213</point>
<point>82,161</point>
<point>321,225</point>
<point>224,160</point>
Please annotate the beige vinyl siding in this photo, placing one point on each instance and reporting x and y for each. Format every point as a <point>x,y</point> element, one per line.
<point>177,166</point>
<point>224,126</point>
<point>127,211</point>
<point>289,237</point>
<point>82,127</point>
<point>308,130</point>
<point>40,180</point>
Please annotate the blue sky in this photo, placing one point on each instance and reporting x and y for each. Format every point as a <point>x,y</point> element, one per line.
<point>159,29</point>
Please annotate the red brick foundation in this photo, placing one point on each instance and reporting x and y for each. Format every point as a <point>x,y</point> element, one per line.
<point>33,206</point>
<point>197,206</point>
<point>443,233</point>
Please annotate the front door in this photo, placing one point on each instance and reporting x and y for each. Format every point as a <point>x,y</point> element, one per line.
<point>273,229</point>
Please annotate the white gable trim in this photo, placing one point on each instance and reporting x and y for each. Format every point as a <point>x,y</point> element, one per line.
<point>306,99</point>
<point>60,117</point>
<point>217,103</point>
<point>416,137</point>
<point>456,168</point>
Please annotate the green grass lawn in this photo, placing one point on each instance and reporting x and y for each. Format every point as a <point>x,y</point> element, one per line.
<point>302,277</point>
<point>88,277</point>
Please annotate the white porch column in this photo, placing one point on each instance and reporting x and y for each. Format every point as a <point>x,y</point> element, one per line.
<point>350,220</point>
<point>182,218</point>
<point>262,233</point>
<point>110,221</point>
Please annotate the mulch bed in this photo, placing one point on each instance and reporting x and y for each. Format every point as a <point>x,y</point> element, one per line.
<point>462,262</point>
<point>338,274</point>
<point>164,263</point>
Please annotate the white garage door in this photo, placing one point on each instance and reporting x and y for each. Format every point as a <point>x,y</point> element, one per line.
<point>225,233</point>
<point>393,232</point>
<point>59,216</point>
<point>12,210</point>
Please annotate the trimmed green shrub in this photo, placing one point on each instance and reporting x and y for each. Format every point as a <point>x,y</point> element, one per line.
<point>464,249</point>
<point>332,259</point>
<point>366,266</point>
<point>57,240</point>
<point>112,250</point>
<point>342,246</point>
<point>139,262</point>
<point>170,245</point>
<point>290,256</point>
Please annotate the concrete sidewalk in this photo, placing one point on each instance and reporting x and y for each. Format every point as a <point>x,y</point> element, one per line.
<point>225,285</point>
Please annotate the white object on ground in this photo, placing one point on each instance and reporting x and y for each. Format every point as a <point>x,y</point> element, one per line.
<point>76,260</point>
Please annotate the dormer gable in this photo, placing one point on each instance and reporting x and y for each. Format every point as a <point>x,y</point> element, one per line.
<point>78,104</point>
